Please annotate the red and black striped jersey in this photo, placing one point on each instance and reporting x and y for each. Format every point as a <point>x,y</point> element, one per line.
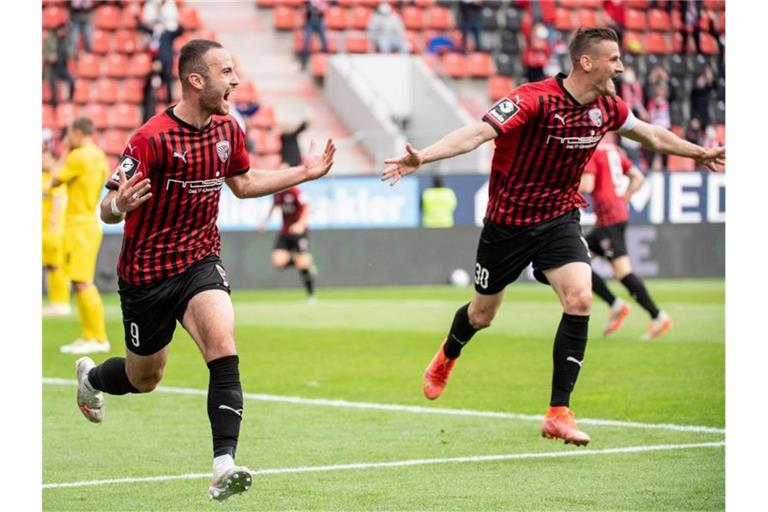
<point>610,165</point>
<point>545,138</point>
<point>187,168</point>
<point>291,204</point>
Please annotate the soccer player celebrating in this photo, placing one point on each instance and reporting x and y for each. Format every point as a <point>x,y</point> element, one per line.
<point>167,188</point>
<point>545,133</point>
<point>605,178</point>
<point>54,204</point>
<point>292,243</point>
<point>84,170</point>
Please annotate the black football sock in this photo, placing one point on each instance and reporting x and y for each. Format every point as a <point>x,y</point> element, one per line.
<point>640,294</point>
<point>567,356</point>
<point>110,377</point>
<point>308,280</point>
<point>600,288</point>
<point>460,334</point>
<point>225,404</point>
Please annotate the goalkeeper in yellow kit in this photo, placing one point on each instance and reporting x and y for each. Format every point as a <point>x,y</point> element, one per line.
<point>54,202</point>
<point>84,170</point>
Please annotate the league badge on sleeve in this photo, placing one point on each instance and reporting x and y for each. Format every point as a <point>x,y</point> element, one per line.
<point>222,149</point>
<point>504,110</point>
<point>128,165</point>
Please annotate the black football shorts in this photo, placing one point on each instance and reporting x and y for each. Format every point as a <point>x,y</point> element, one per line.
<point>293,243</point>
<point>503,252</point>
<point>608,241</point>
<point>150,310</point>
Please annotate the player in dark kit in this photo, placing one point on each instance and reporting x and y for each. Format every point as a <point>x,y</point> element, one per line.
<point>167,188</point>
<point>545,133</point>
<point>611,179</point>
<point>292,243</point>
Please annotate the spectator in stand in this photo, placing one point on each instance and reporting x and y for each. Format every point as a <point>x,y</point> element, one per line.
<point>657,76</point>
<point>537,53</point>
<point>80,12</point>
<point>386,30</point>
<point>659,115</point>
<point>153,86</point>
<point>290,152</point>
<point>161,38</point>
<point>614,14</point>
<point>56,55</point>
<point>701,95</point>
<point>711,138</point>
<point>163,11</point>
<point>632,92</point>
<point>470,20</point>
<point>315,16</point>
<point>694,132</point>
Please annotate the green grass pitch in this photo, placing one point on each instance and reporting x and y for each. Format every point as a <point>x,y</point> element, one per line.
<point>334,449</point>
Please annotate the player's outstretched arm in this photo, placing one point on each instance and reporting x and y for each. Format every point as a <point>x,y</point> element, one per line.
<point>458,142</point>
<point>130,194</point>
<point>664,141</point>
<point>259,182</point>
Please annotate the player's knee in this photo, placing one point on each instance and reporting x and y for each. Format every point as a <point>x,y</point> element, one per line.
<point>578,302</point>
<point>480,319</point>
<point>147,381</point>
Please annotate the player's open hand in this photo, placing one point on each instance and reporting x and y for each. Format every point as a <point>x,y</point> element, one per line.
<point>712,158</point>
<point>317,165</point>
<point>402,166</point>
<point>133,192</point>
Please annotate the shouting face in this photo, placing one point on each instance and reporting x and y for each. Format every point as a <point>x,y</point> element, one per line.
<point>219,82</point>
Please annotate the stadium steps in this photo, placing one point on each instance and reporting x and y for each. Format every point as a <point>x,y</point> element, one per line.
<point>267,59</point>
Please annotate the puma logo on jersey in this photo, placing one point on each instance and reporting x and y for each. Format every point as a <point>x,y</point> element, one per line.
<point>561,118</point>
<point>183,156</point>
<point>131,148</point>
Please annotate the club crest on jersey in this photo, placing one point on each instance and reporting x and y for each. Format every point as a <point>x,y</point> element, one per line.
<point>596,117</point>
<point>504,110</point>
<point>128,165</point>
<point>222,149</point>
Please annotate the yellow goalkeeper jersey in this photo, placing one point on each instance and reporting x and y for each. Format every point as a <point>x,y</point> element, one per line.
<point>56,195</point>
<point>84,171</point>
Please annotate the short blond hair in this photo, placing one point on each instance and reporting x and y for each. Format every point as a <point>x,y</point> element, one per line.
<point>585,38</point>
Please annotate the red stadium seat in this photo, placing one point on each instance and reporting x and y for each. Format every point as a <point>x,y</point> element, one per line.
<point>49,117</point>
<point>105,91</point>
<point>46,91</point>
<point>115,141</point>
<point>359,17</point>
<point>414,41</point>
<point>636,4</point>
<point>126,116</point>
<point>587,18</point>
<point>454,65</point>
<point>65,114</point>
<point>678,163</point>
<point>439,18</point>
<point>132,91</point>
<point>88,66</point>
<point>335,18</point>
<point>107,17</point>
<point>413,17</point>
<point>127,20</point>
<point>117,65</point>
<point>715,5</point>
<point>658,43</point>
<point>101,42</point>
<point>499,86</point>
<point>271,161</point>
<point>188,18</point>
<point>708,44</point>
<point>246,92</point>
<point>563,20</point>
<point>125,41</point>
<point>424,3</point>
<point>268,4</point>
<point>676,21</point>
<point>356,42</point>
<point>83,92</point>
<point>318,65</point>
<point>635,20</point>
<point>98,114</point>
<point>658,19</point>
<point>721,132</point>
<point>634,42</point>
<point>53,16</point>
<point>480,65</point>
<point>294,4</point>
<point>139,66</point>
<point>286,18</point>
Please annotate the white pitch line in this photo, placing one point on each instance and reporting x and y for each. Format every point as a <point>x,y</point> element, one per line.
<point>398,463</point>
<point>324,402</point>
